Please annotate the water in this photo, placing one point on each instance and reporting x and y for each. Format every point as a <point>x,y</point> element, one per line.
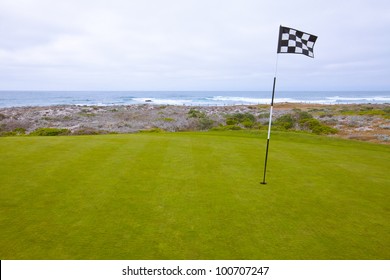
<point>202,98</point>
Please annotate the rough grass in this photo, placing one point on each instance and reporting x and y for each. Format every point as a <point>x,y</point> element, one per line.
<point>193,196</point>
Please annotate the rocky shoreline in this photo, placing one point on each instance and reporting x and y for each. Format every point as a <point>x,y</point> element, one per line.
<point>366,122</point>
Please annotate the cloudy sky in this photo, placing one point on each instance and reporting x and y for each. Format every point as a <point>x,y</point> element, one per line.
<point>191,44</point>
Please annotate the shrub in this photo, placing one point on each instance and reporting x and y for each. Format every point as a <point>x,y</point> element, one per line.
<point>303,121</point>
<point>67,118</point>
<point>168,119</point>
<point>285,121</point>
<point>226,127</point>
<point>19,131</point>
<point>16,132</point>
<point>246,119</point>
<point>205,123</point>
<point>231,121</point>
<point>299,115</point>
<point>367,111</point>
<point>88,115</point>
<point>48,131</point>
<point>152,130</point>
<point>264,116</point>
<point>240,117</point>
<point>316,127</point>
<point>89,131</point>
<point>193,113</point>
<point>248,123</point>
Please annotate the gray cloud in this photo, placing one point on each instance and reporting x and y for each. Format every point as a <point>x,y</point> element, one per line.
<point>188,44</point>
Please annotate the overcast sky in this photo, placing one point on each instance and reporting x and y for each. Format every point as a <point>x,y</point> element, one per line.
<point>191,44</point>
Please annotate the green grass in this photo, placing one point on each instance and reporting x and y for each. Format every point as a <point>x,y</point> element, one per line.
<point>193,196</point>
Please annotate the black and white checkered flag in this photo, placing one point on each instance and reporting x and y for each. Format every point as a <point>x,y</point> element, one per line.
<point>295,41</point>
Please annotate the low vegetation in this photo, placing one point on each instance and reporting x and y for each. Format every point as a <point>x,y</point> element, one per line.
<point>366,110</point>
<point>247,120</point>
<point>204,122</point>
<point>48,131</point>
<point>300,120</point>
<point>367,122</point>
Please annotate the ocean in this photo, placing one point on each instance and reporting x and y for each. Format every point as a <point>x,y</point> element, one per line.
<point>189,98</point>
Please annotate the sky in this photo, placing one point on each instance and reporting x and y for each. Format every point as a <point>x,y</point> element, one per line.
<point>191,45</point>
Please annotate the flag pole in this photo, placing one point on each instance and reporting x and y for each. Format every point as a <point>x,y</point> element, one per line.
<point>269,131</point>
<point>290,41</point>
<point>270,120</point>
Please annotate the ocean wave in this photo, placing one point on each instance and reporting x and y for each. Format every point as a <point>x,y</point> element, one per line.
<point>374,99</point>
<point>162,101</point>
<point>189,98</point>
<point>248,100</point>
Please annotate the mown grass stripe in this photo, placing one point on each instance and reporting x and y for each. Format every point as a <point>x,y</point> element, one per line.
<point>193,196</point>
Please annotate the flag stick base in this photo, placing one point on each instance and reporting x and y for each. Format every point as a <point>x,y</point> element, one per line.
<point>263,183</point>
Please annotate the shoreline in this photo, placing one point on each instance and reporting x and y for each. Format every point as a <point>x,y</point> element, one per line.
<point>189,98</point>
<point>365,122</point>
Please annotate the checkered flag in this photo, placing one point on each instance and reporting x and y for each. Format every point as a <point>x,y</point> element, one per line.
<point>295,41</point>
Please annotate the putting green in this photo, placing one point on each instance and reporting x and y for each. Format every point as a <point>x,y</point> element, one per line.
<point>193,196</point>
